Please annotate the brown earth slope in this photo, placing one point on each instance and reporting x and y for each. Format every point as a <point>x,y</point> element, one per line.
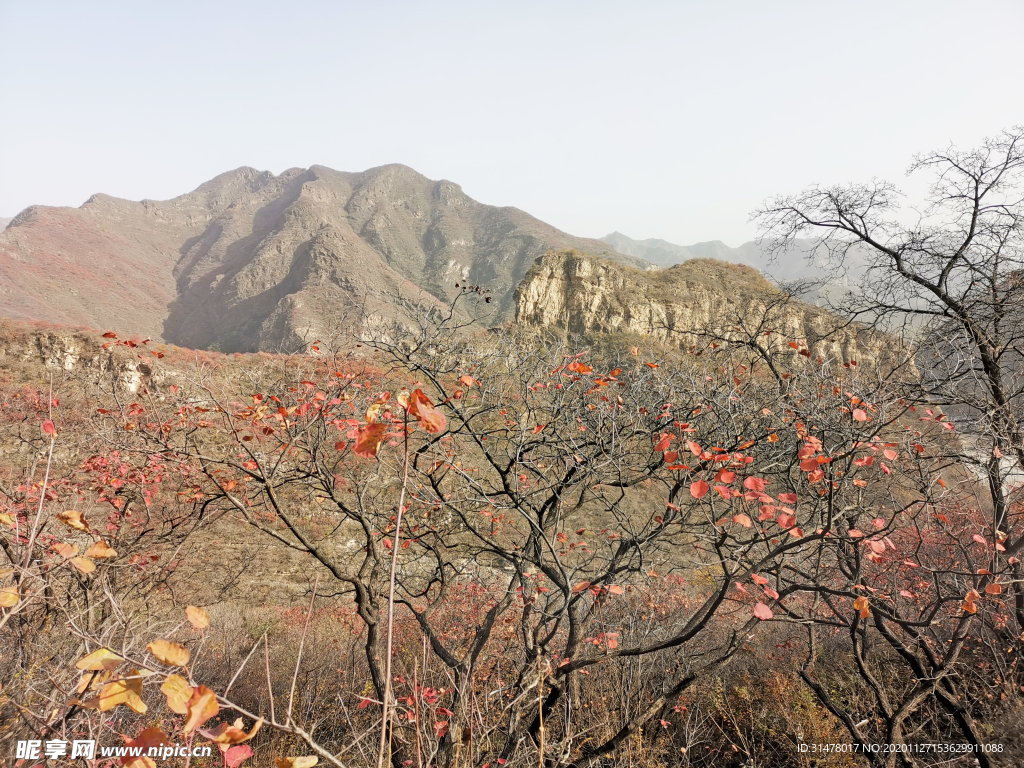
<point>253,261</point>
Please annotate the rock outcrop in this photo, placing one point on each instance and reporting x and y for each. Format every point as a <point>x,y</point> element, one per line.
<point>584,294</point>
<point>75,353</point>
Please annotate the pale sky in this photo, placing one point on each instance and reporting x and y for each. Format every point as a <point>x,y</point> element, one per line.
<point>657,119</point>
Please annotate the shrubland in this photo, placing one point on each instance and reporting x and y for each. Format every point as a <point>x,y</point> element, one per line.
<point>436,546</point>
<point>507,549</point>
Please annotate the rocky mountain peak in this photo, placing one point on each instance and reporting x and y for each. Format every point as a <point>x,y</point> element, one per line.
<point>250,260</point>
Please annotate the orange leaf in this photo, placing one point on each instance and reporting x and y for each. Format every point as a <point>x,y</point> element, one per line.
<point>231,733</point>
<point>83,564</point>
<point>201,707</point>
<point>861,604</point>
<point>538,428</point>
<point>100,551</point>
<point>141,744</point>
<point>64,549</point>
<point>859,415</point>
<point>581,586</point>
<point>169,653</point>
<point>429,417</point>
<point>369,439</point>
<point>615,589</point>
<point>72,518</point>
<point>468,381</point>
<point>743,520</point>
<point>994,589</point>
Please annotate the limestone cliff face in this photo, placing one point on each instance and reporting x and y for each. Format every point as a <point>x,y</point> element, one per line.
<point>584,294</point>
<point>79,354</point>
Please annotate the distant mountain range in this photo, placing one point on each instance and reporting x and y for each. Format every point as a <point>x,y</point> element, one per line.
<point>804,266</point>
<point>253,261</point>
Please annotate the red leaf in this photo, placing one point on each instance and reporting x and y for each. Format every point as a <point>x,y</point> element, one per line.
<point>771,593</point>
<point>788,498</point>
<point>236,755</point>
<point>699,489</point>
<point>760,580</point>
<point>762,611</point>
<point>755,484</point>
<point>859,415</point>
<point>743,520</point>
<point>538,428</point>
<point>49,429</point>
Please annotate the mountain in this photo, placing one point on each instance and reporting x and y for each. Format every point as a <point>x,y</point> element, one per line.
<point>586,295</point>
<point>804,261</point>
<point>4,222</point>
<point>252,261</point>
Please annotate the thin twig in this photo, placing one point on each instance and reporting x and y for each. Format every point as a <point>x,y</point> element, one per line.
<point>302,643</point>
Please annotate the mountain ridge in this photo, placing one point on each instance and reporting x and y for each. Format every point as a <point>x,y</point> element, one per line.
<point>250,260</point>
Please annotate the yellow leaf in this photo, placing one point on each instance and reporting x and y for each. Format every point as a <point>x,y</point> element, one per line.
<point>197,617</point>
<point>297,762</point>
<point>201,707</point>
<point>135,704</point>
<point>100,551</point>
<point>169,653</point>
<point>73,519</point>
<point>8,519</point>
<point>8,597</point>
<point>84,564</point>
<point>99,660</point>
<point>178,693</point>
<point>123,691</point>
<point>92,680</point>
